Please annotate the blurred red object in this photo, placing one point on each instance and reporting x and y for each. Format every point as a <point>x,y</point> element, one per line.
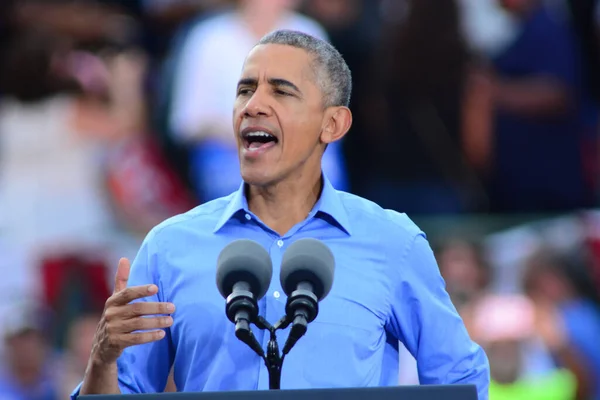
<point>592,227</point>
<point>61,273</point>
<point>143,186</point>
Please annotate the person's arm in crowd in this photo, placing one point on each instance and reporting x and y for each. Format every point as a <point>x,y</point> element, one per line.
<point>425,320</point>
<point>550,328</point>
<point>550,89</point>
<point>538,96</point>
<point>477,120</point>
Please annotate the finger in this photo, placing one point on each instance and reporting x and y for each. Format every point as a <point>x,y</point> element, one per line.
<point>122,275</point>
<point>129,294</point>
<point>139,324</point>
<point>132,339</point>
<point>134,310</point>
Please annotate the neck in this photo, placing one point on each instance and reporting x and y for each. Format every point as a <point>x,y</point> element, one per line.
<point>286,203</point>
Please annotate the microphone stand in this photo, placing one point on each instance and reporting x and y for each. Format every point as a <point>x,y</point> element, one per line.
<point>306,308</point>
<point>273,359</point>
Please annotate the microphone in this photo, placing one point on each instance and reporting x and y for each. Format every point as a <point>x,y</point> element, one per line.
<point>244,271</point>
<point>306,278</point>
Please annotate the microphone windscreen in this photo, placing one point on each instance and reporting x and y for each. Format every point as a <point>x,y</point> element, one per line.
<point>244,261</point>
<point>308,260</point>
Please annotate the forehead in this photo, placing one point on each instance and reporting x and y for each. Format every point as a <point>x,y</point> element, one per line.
<point>275,60</point>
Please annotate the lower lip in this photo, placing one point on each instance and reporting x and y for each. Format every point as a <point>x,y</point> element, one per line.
<point>256,152</point>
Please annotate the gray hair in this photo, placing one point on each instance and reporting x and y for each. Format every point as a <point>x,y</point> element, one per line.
<point>333,75</point>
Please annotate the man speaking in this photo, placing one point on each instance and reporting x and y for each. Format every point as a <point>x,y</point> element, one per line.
<point>292,101</point>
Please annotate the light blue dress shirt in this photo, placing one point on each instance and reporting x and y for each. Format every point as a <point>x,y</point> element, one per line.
<point>387,287</point>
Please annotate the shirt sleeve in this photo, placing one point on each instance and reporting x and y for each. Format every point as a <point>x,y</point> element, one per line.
<point>144,368</point>
<point>424,319</point>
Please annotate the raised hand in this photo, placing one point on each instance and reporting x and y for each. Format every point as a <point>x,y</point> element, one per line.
<point>122,320</point>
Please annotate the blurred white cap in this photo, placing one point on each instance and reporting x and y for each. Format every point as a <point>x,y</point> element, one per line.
<point>22,318</point>
<point>503,317</point>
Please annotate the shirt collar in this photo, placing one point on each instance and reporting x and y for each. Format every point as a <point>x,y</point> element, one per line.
<point>329,204</point>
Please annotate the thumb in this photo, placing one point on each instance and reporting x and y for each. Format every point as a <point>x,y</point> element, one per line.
<point>122,275</point>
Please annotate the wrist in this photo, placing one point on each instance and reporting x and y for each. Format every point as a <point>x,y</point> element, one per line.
<point>101,377</point>
<point>98,362</point>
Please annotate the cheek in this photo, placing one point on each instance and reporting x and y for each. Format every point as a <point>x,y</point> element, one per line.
<point>235,115</point>
<point>300,136</point>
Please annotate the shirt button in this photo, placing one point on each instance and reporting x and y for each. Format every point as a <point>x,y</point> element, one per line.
<point>280,243</point>
<point>248,217</point>
<point>276,294</point>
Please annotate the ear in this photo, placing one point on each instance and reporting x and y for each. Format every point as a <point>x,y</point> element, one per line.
<point>336,123</point>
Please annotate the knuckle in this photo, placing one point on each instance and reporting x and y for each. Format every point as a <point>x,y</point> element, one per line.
<point>133,339</point>
<point>109,314</point>
<point>126,295</point>
<point>129,340</point>
<point>137,308</point>
<point>139,324</point>
<point>111,342</point>
<point>109,302</point>
<point>110,328</point>
<point>164,308</point>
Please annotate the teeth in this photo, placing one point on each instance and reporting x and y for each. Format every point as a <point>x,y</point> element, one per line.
<point>259,134</point>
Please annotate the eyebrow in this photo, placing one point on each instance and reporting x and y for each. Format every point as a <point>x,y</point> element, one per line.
<point>278,82</point>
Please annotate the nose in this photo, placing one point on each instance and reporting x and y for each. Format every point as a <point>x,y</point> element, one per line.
<point>257,105</point>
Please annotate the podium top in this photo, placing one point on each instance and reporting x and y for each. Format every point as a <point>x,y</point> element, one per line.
<point>425,392</point>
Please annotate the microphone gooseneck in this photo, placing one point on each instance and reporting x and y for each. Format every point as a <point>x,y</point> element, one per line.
<point>302,307</point>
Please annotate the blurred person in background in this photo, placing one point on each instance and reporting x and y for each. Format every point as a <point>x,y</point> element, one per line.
<point>568,320</point>
<point>164,18</point>
<point>465,270</point>
<point>541,111</point>
<point>504,325</point>
<point>62,109</point>
<point>488,28</point>
<point>205,87</point>
<point>84,21</point>
<point>27,372</point>
<point>422,111</point>
<point>587,26</point>
<point>80,338</point>
<point>354,28</point>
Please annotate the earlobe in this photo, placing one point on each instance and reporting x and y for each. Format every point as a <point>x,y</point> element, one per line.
<point>338,121</point>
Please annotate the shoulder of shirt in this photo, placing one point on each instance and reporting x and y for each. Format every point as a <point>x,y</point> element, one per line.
<point>360,209</point>
<point>206,213</point>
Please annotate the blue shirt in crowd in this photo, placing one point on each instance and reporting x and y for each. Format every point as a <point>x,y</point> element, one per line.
<point>538,160</point>
<point>387,288</point>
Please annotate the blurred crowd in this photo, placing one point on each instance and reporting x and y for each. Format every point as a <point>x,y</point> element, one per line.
<point>116,114</point>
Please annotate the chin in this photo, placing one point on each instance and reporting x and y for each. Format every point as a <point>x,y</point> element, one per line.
<point>256,175</point>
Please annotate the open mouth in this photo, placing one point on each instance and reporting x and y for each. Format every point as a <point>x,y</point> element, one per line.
<point>258,140</point>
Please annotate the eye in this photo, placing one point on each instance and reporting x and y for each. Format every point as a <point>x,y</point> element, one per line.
<point>244,92</point>
<point>282,93</point>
